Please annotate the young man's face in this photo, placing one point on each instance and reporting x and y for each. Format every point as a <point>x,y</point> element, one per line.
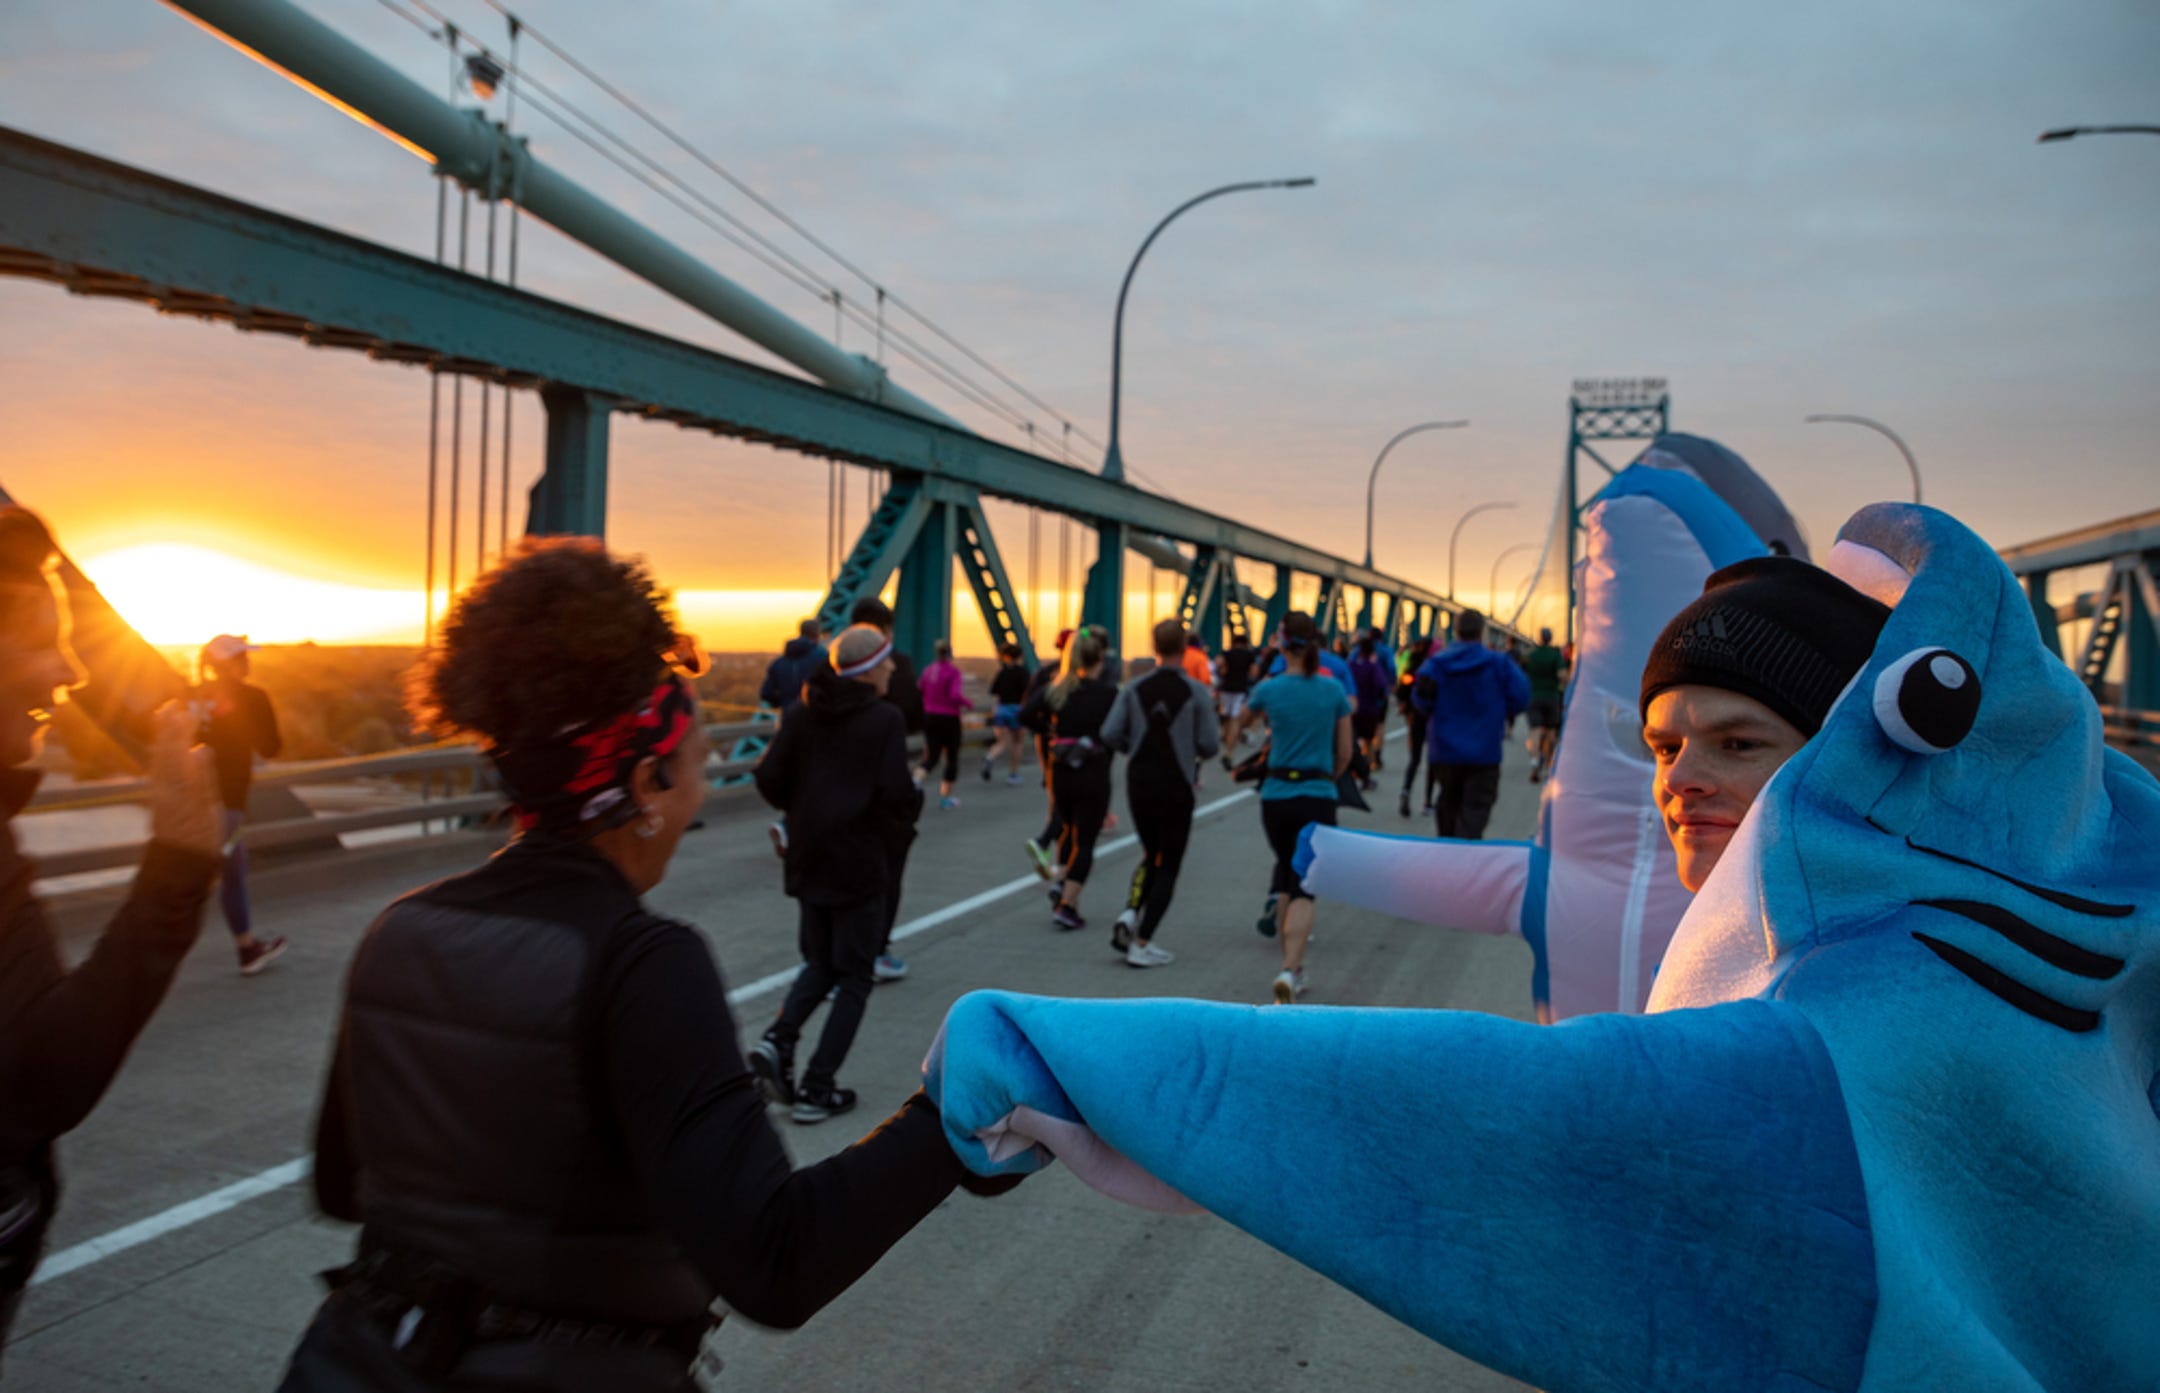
<point>1715,750</point>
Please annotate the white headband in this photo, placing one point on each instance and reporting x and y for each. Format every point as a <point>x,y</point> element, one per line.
<point>866,664</point>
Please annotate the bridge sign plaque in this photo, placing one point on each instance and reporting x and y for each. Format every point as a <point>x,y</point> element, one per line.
<point>1619,391</point>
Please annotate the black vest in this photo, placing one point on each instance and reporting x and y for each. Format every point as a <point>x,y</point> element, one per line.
<point>482,1133</point>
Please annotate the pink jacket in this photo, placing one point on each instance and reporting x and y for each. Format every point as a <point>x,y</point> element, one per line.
<point>941,694</point>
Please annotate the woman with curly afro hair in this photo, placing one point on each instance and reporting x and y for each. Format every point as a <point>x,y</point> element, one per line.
<point>537,1108</point>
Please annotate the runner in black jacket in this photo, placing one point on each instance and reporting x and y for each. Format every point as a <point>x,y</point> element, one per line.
<point>838,769</point>
<point>1079,770</point>
<point>538,1108</point>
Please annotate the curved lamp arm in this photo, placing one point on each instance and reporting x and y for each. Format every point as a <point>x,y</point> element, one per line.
<point>1113,461</point>
<point>1892,436</point>
<point>1374,476</point>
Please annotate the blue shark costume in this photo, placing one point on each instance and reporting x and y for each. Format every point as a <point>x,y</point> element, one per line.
<point>1594,893</point>
<point>1892,1121</point>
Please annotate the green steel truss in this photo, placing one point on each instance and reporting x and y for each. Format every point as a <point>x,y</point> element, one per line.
<point>2124,609</point>
<point>919,529</point>
<point>104,229</point>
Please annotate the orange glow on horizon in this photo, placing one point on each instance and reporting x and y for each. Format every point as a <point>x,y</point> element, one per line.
<point>179,594</point>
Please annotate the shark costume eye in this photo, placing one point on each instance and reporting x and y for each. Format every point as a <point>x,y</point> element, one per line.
<point>1927,700</point>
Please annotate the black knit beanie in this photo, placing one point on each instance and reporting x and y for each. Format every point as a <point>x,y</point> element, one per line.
<point>1786,633</point>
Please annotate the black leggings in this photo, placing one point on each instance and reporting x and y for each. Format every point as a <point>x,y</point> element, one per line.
<point>1284,819</point>
<point>1467,792</point>
<point>942,733</point>
<point>1054,825</point>
<point>839,946</point>
<point>1083,801</point>
<point>1419,721</point>
<point>1162,813</point>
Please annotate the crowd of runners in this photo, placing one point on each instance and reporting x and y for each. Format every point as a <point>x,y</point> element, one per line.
<point>538,1106</point>
<point>1304,717</point>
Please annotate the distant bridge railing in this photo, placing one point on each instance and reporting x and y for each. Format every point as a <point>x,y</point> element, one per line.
<point>446,766</point>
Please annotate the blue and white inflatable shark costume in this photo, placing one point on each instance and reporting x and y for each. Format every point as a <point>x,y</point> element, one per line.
<point>1595,892</point>
<point>1892,1121</point>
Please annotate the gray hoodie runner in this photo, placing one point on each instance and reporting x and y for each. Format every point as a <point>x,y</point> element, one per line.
<point>1195,732</point>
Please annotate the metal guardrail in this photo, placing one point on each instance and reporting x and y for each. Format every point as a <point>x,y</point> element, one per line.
<point>444,760</point>
<point>2130,726</point>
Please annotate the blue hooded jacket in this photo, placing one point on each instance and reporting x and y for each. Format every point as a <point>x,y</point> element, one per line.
<point>1470,692</point>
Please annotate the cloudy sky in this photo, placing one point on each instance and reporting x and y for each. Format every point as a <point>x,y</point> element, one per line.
<point>1783,209</point>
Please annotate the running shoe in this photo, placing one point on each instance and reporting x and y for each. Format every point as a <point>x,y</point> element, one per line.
<point>257,956</point>
<point>774,1071</point>
<point>1265,925</point>
<point>1148,955</point>
<point>1289,986</point>
<point>1057,893</point>
<point>947,803</point>
<point>1404,806</point>
<point>1014,779</point>
<point>1121,933</point>
<point>1066,918</point>
<point>778,833</point>
<point>817,1102</point>
<point>1038,857</point>
<point>888,968</point>
<point>987,764</point>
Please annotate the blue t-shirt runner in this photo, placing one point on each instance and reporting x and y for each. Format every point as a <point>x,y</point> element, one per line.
<point>1330,663</point>
<point>1301,713</point>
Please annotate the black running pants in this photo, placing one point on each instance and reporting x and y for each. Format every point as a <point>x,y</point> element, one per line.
<point>1083,802</point>
<point>1467,792</point>
<point>941,735</point>
<point>1285,820</point>
<point>839,946</point>
<point>1162,813</point>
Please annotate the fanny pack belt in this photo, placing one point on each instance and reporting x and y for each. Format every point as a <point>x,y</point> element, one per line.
<point>433,1314</point>
<point>1302,776</point>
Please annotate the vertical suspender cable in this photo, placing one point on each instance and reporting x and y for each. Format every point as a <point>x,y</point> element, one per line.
<point>1034,597</point>
<point>832,485</point>
<point>457,397</point>
<point>480,515</point>
<point>517,194</point>
<point>434,432</point>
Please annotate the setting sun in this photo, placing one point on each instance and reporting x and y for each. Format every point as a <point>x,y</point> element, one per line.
<point>175,594</point>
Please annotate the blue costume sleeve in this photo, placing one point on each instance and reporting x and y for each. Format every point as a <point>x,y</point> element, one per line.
<point>1604,1204</point>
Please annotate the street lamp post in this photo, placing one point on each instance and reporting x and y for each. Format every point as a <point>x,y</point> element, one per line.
<point>1492,586</point>
<point>1892,436</point>
<point>1457,534</point>
<point>1114,462</point>
<point>1374,476</point>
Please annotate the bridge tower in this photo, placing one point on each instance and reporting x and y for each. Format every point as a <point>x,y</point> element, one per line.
<point>1601,409</point>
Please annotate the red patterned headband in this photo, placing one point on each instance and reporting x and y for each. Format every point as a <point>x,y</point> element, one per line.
<point>579,780</point>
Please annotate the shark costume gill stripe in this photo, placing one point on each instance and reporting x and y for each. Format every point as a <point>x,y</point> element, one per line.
<point>1889,1125</point>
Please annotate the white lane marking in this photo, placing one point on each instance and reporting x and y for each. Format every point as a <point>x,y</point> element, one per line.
<point>292,1172</point>
<point>178,1217</point>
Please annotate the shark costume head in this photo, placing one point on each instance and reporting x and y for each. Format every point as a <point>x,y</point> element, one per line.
<point>1594,893</point>
<point>1891,1123</point>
